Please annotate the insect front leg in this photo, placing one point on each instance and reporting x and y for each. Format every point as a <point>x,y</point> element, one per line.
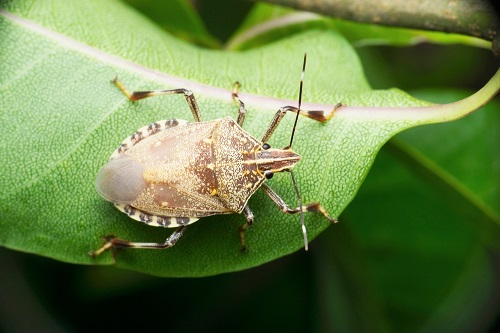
<point>137,95</point>
<point>316,115</point>
<point>115,243</point>
<point>249,216</point>
<point>241,111</point>
<point>312,207</point>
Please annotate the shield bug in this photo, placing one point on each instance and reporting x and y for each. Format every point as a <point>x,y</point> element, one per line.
<point>173,172</point>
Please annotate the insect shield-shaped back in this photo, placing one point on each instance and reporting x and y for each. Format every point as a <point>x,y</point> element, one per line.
<point>189,170</point>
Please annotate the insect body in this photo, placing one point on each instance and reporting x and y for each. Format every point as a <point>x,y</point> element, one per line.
<point>185,171</point>
<point>173,172</point>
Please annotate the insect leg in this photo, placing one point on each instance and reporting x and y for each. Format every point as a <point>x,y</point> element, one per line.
<point>316,115</point>
<point>249,216</point>
<point>242,111</point>
<point>312,207</point>
<point>276,120</point>
<point>137,95</point>
<point>114,243</point>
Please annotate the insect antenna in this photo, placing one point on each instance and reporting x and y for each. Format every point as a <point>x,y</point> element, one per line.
<point>299,199</point>
<point>300,100</point>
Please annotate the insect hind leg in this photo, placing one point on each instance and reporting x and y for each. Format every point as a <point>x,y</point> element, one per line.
<point>249,216</point>
<point>137,95</point>
<point>113,243</point>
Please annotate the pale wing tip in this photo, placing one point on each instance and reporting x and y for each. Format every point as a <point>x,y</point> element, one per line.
<point>121,180</point>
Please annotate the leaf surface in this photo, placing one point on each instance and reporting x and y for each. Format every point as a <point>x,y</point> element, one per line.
<point>65,119</point>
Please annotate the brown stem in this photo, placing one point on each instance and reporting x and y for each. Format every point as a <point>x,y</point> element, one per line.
<point>470,17</point>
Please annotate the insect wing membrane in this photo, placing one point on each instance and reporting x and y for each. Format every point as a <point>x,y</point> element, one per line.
<point>120,181</point>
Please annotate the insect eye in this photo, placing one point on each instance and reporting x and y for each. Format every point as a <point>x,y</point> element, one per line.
<point>266,146</point>
<point>269,175</point>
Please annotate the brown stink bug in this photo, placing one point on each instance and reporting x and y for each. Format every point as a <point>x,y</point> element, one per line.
<point>173,172</point>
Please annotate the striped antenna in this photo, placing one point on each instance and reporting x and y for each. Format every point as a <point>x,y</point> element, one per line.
<point>300,99</point>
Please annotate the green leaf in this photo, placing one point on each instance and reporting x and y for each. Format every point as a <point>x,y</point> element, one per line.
<point>65,118</point>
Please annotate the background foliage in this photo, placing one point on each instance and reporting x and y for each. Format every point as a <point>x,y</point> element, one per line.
<point>409,255</point>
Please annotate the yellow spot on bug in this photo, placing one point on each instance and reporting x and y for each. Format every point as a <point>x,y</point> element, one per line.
<point>164,204</point>
<point>214,192</point>
<point>249,185</point>
<point>210,166</point>
<point>208,141</point>
<point>150,175</point>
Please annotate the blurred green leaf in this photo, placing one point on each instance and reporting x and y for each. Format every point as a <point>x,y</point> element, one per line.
<point>467,149</point>
<point>417,262</point>
<point>178,17</point>
<point>416,259</point>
